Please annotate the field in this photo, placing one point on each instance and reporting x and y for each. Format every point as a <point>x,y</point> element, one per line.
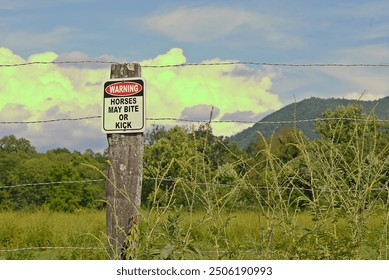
<point>235,235</point>
<point>284,197</point>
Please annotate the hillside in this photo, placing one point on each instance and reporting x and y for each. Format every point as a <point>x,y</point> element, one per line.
<point>306,109</point>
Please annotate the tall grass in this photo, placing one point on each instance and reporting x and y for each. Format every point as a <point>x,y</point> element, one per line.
<point>341,186</point>
<point>83,231</point>
<point>329,202</point>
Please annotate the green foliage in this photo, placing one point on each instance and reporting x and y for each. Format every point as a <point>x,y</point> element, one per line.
<point>340,179</point>
<point>310,108</point>
<point>188,155</point>
<point>284,197</point>
<point>20,147</point>
<point>21,164</point>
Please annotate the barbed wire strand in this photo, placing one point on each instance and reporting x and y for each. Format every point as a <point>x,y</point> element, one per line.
<point>58,62</point>
<point>170,179</point>
<point>203,64</point>
<point>102,249</point>
<point>51,120</point>
<point>49,248</point>
<point>51,183</point>
<point>199,121</point>
<point>264,122</point>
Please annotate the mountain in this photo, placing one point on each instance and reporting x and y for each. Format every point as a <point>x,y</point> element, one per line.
<point>311,108</point>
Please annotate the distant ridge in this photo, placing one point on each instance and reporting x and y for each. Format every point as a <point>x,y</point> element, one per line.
<point>306,109</point>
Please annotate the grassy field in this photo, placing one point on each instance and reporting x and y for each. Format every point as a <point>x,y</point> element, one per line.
<point>50,229</point>
<point>321,199</point>
<point>181,235</point>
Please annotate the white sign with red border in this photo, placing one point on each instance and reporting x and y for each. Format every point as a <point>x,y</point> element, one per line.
<point>124,106</point>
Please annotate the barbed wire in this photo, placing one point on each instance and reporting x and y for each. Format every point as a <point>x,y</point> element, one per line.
<point>58,62</point>
<point>104,249</point>
<point>52,183</point>
<point>51,120</point>
<point>171,179</point>
<point>265,122</point>
<point>199,121</point>
<point>254,63</point>
<point>49,248</point>
<point>270,64</point>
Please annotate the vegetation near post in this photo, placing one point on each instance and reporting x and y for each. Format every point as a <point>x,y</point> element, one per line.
<point>285,196</point>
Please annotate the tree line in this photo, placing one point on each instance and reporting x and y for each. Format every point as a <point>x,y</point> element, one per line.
<point>190,166</point>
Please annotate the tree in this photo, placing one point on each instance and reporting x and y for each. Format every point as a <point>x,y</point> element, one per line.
<point>10,144</point>
<point>353,148</point>
<point>167,159</point>
<point>282,144</point>
<point>21,164</point>
<point>346,123</point>
<point>181,157</point>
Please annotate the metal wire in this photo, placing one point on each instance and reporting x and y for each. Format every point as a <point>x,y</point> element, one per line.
<point>270,64</point>
<point>50,120</point>
<point>49,248</point>
<point>266,122</point>
<point>203,64</point>
<point>170,179</point>
<point>101,249</point>
<point>199,121</point>
<point>51,183</point>
<point>57,62</point>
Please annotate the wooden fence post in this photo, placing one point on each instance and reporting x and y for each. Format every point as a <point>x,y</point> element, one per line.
<point>124,179</point>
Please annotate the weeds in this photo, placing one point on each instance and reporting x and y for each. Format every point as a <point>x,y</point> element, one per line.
<point>328,201</point>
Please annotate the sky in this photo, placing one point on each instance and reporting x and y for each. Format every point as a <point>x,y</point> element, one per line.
<point>176,32</point>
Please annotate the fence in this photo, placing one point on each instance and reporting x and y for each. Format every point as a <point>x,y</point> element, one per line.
<point>205,64</point>
<point>164,119</point>
<point>198,121</point>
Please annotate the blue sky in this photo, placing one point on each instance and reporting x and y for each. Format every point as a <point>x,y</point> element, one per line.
<point>277,31</point>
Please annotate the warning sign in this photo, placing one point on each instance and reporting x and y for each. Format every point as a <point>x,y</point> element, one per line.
<point>124,106</point>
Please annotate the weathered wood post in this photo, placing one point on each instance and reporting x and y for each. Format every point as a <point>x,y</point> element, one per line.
<point>124,177</point>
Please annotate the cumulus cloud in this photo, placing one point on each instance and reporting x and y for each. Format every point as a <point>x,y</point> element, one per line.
<point>200,112</point>
<point>201,24</point>
<point>363,96</point>
<point>373,80</point>
<point>40,92</point>
<point>80,56</point>
<point>12,112</point>
<point>173,90</point>
<point>248,116</point>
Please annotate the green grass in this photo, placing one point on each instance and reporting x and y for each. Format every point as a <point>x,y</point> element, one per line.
<point>52,229</point>
<point>246,235</point>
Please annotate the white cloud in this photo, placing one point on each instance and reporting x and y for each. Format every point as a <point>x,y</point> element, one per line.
<point>203,24</point>
<point>53,91</point>
<point>200,112</point>
<point>372,54</point>
<point>80,56</point>
<point>373,80</point>
<point>363,96</point>
<point>177,92</point>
